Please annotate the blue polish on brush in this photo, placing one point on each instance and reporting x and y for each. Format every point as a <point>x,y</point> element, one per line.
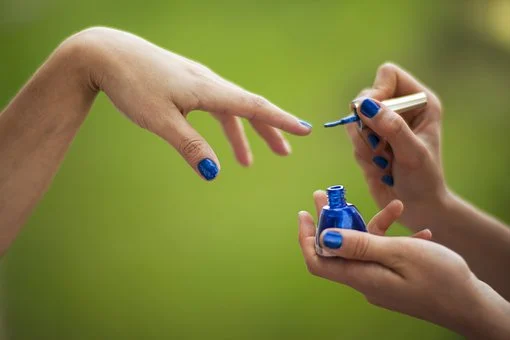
<point>346,120</point>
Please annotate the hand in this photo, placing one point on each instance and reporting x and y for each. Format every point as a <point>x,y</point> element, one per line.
<point>400,154</point>
<point>157,89</point>
<point>410,275</point>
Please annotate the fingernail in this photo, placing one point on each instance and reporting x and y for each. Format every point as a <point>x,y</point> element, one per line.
<point>373,140</point>
<point>369,108</point>
<point>208,169</point>
<point>380,162</point>
<point>388,180</point>
<point>332,239</point>
<point>305,123</point>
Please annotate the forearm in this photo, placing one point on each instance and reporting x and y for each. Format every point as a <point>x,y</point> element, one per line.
<point>482,240</point>
<point>490,317</point>
<point>36,129</point>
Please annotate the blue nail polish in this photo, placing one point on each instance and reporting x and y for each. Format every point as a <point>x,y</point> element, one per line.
<point>208,169</point>
<point>332,239</point>
<point>305,123</point>
<point>381,162</point>
<point>369,108</point>
<point>346,120</point>
<point>338,214</point>
<point>388,180</point>
<point>373,140</point>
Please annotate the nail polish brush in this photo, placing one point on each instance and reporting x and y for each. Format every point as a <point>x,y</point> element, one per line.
<point>399,105</point>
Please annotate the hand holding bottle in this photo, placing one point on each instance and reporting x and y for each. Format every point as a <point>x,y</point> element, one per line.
<point>410,275</point>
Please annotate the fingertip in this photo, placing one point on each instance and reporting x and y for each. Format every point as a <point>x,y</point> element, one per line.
<point>283,148</point>
<point>319,194</point>
<point>303,128</point>
<point>397,205</point>
<point>304,215</point>
<point>287,146</point>
<point>427,234</point>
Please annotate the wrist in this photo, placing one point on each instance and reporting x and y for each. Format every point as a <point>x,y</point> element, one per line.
<point>442,210</point>
<point>85,50</point>
<point>490,314</point>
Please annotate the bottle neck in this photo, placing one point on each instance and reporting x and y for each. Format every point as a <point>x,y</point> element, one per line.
<point>336,197</point>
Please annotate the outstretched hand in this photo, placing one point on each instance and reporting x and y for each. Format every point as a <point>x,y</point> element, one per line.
<point>157,89</point>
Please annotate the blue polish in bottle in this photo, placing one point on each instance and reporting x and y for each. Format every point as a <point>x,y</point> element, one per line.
<point>338,214</point>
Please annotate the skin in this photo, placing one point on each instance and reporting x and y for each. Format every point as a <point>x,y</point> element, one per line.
<point>413,275</point>
<point>412,145</point>
<point>154,88</point>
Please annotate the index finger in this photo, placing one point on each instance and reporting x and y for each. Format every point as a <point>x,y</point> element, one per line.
<point>392,81</point>
<point>231,99</point>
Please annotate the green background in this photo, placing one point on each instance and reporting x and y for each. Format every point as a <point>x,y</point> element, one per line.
<point>130,244</point>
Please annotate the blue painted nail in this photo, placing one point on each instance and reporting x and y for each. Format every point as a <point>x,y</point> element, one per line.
<point>208,169</point>
<point>380,162</point>
<point>369,108</point>
<point>305,123</point>
<point>373,140</point>
<point>332,239</point>
<point>388,180</point>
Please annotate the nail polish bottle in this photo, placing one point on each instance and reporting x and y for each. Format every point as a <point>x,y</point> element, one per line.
<point>337,214</point>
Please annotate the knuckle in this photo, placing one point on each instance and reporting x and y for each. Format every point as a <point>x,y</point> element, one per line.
<point>415,161</point>
<point>259,101</point>
<point>394,125</point>
<point>191,148</point>
<point>361,246</point>
<point>142,121</point>
<point>312,267</point>
<point>397,258</point>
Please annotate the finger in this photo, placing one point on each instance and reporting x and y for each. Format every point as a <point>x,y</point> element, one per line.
<point>384,218</point>
<point>362,276</point>
<point>321,199</point>
<point>424,234</point>
<point>393,81</point>
<point>273,137</point>
<point>374,164</point>
<point>372,139</point>
<point>355,245</point>
<point>234,130</point>
<point>228,98</point>
<point>307,235</point>
<point>176,130</point>
<point>407,147</point>
<point>306,224</point>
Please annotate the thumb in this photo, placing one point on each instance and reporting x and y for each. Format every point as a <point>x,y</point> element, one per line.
<point>407,147</point>
<point>355,245</point>
<point>176,130</point>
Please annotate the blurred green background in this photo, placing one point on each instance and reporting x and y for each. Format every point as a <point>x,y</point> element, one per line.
<point>130,244</point>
